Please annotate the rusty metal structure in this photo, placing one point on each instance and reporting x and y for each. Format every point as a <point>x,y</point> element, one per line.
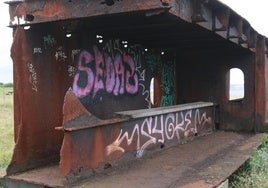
<point>83,70</point>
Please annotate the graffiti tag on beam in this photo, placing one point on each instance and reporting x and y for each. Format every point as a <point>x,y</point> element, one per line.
<point>158,129</point>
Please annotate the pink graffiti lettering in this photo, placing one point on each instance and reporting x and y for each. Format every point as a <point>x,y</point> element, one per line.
<point>115,76</point>
<point>110,73</point>
<point>120,74</point>
<point>131,77</point>
<point>84,58</point>
<point>99,63</point>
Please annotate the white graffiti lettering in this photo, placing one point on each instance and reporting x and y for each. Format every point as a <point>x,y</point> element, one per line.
<point>33,76</point>
<point>71,70</point>
<point>75,53</point>
<point>60,54</point>
<point>157,129</point>
<point>37,51</point>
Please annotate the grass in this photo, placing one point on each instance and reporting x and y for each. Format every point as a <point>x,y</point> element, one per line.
<point>254,172</point>
<point>6,126</point>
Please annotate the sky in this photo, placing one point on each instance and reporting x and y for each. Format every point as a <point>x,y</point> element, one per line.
<point>252,10</point>
<point>6,72</point>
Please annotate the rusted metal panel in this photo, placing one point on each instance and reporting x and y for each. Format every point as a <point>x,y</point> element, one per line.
<point>47,63</point>
<point>76,116</point>
<point>30,12</point>
<point>260,90</point>
<point>221,19</point>
<point>86,149</point>
<point>38,89</point>
<point>182,9</point>
<point>207,79</point>
<point>244,40</point>
<point>235,28</point>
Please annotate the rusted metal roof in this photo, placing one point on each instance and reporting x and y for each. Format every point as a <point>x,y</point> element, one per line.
<point>209,14</point>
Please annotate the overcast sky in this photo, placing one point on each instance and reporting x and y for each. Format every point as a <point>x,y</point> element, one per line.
<point>6,73</point>
<point>252,10</point>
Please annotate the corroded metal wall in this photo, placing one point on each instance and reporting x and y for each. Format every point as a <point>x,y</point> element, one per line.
<point>207,78</point>
<point>40,83</point>
<point>105,75</point>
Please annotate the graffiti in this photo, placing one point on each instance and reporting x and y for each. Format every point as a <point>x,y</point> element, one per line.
<point>153,61</point>
<point>60,54</point>
<point>101,72</point>
<point>167,84</point>
<point>145,92</point>
<point>113,47</point>
<point>18,20</point>
<point>135,51</point>
<point>160,128</point>
<point>167,100</point>
<point>33,76</point>
<point>37,51</point>
<point>71,70</point>
<point>75,52</point>
<point>49,41</point>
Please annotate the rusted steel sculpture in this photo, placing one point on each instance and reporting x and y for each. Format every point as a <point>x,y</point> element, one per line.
<point>107,52</point>
<point>89,141</point>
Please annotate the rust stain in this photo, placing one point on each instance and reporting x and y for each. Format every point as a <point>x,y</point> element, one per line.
<point>72,108</point>
<point>202,184</point>
<point>247,146</point>
<point>51,9</point>
<point>65,155</point>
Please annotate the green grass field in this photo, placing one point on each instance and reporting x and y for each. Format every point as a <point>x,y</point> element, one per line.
<point>254,172</point>
<point>6,125</point>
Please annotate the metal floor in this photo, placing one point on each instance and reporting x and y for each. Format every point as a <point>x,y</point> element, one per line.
<point>204,162</point>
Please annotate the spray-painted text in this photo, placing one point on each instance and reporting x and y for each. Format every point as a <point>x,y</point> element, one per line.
<point>101,72</point>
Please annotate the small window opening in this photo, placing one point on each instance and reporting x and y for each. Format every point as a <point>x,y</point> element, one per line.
<point>152,91</point>
<point>236,84</point>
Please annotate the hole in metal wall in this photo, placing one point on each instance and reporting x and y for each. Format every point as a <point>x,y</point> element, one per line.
<point>165,2</point>
<point>152,90</point>
<point>26,27</point>
<point>29,17</point>
<point>68,35</point>
<point>236,84</point>
<point>109,2</point>
<point>107,166</point>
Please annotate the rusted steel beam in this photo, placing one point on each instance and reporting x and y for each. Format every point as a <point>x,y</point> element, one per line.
<point>266,46</point>
<point>221,18</point>
<point>86,149</point>
<point>244,40</point>
<point>235,28</point>
<point>198,11</point>
<point>253,39</point>
<point>32,12</point>
<point>260,79</point>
